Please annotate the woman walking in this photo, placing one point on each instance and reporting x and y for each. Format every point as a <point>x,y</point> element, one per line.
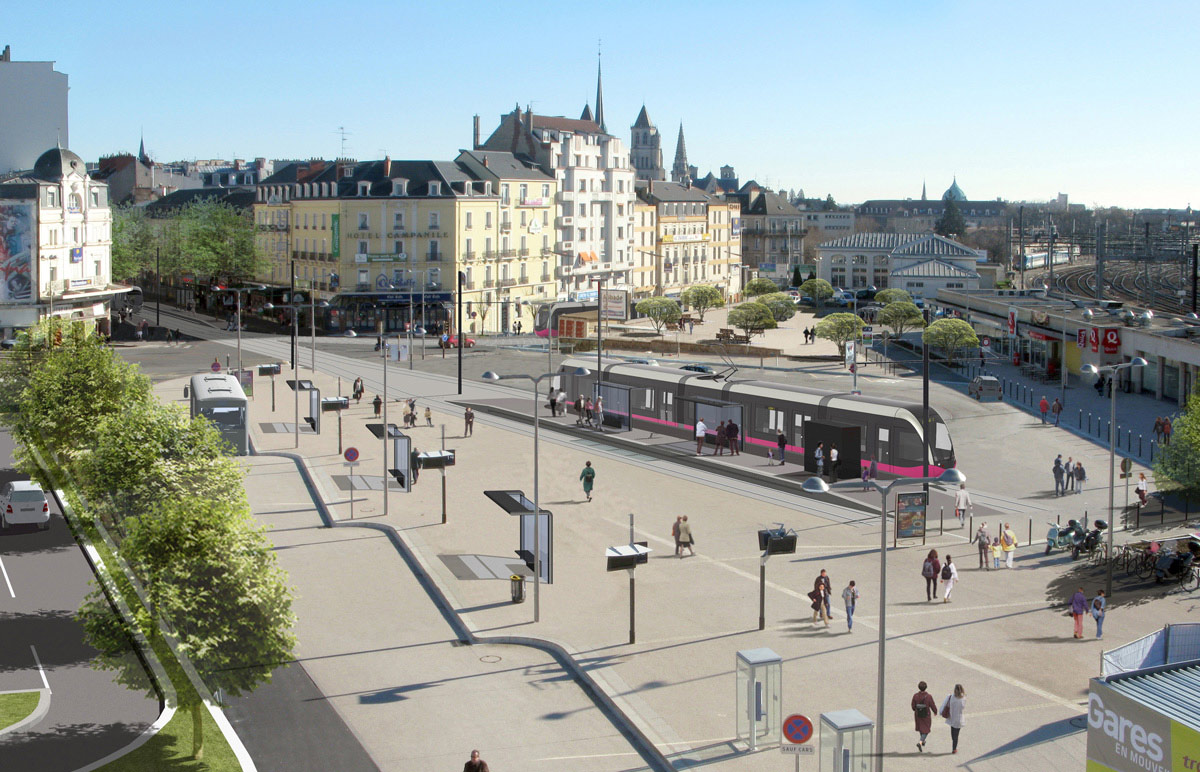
<point>1142,488</point>
<point>930,570</point>
<point>962,502</point>
<point>949,577</point>
<point>923,707</point>
<point>952,711</point>
<point>1078,606</point>
<point>686,541</point>
<point>357,390</point>
<point>1098,604</point>
<point>588,475</point>
<point>818,598</point>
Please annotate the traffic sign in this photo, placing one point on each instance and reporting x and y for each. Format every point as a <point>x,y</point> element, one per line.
<point>799,750</point>
<point>985,342</point>
<point>351,454</point>
<point>797,729</point>
<point>1126,465</point>
<point>216,366</point>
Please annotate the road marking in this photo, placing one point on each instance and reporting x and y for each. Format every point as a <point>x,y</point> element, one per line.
<point>41,670</point>
<point>4,571</point>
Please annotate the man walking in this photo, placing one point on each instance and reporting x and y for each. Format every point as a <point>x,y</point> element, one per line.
<point>823,578</point>
<point>675,532</point>
<point>962,502</point>
<point>685,537</point>
<point>1068,474</point>
<point>1079,604</point>
<point>378,405</point>
<point>476,764</point>
<point>1044,407</point>
<point>1056,409</point>
<point>1058,476</point>
<point>1008,544</point>
<point>833,462</point>
<point>468,422</point>
<point>850,598</point>
<point>983,542</point>
<point>701,430</point>
<point>781,443</point>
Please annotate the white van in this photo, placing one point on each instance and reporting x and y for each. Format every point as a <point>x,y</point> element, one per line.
<point>23,502</point>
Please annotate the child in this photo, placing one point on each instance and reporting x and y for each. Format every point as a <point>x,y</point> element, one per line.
<point>428,417</point>
<point>866,476</point>
<point>997,551</point>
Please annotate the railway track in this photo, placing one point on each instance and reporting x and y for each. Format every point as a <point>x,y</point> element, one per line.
<point>1149,285</point>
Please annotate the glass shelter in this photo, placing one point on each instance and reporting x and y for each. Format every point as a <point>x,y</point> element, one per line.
<point>759,696</point>
<point>847,740</point>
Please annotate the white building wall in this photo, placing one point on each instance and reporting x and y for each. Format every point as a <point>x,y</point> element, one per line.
<point>33,112</point>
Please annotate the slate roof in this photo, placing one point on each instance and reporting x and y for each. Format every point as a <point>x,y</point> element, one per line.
<point>933,244</point>
<point>934,268</point>
<point>903,244</point>
<point>507,166</point>
<point>558,123</point>
<point>643,120</point>
<point>658,190</point>
<point>238,198</point>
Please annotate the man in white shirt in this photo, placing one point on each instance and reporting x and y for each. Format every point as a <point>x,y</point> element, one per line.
<point>833,463</point>
<point>701,430</point>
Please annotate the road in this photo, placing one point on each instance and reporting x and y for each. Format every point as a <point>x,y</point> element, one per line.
<point>90,715</point>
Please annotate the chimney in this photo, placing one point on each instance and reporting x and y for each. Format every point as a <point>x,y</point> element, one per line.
<point>485,162</point>
<point>237,164</point>
<point>475,134</point>
<point>387,166</point>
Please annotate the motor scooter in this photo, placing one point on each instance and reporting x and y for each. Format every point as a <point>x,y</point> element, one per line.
<point>1091,541</point>
<point>1064,537</point>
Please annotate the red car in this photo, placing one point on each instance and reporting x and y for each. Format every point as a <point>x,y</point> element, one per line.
<point>453,342</point>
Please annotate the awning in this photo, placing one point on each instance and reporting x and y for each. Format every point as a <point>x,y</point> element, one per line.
<point>588,257</point>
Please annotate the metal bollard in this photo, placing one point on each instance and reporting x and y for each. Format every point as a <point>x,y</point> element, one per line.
<point>1031,531</point>
<point>1139,444</point>
<point>1080,418</point>
<point>1152,444</point>
<point>1058,519</point>
<point>1089,422</point>
<point>941,520</point>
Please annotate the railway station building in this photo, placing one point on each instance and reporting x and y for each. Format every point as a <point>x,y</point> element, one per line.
<point>1033,330</point>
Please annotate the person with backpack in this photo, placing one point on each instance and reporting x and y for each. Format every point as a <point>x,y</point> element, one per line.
<point>923,708</point>
<point>983,541</point>
<point>949,577</point>
<point>1008,544</point>
<point>930,570</point>
<point>1098,604</point>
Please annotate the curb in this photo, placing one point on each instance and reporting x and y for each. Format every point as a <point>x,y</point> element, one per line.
<point>39,711</point>
<point>628,728</point>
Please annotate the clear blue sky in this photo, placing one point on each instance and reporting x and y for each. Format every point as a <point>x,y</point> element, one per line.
<point>1020,100</point>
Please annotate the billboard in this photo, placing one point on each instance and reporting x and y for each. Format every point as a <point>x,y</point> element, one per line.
<point>614,304</point>
<point>17,228</point>
<point>336,235</point>
<point>910,515</point>
<point>1127,736</point>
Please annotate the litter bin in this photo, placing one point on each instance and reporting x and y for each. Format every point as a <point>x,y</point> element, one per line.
<point>518,588</point>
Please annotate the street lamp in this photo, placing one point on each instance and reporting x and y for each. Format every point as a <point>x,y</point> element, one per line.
<point>537,509</point>
<point>295,309</point>
<point>818,485</point>
<point>1112,451</point>
<point>237,291</point>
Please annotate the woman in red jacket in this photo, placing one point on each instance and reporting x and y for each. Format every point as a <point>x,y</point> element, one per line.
<point>923,708</point>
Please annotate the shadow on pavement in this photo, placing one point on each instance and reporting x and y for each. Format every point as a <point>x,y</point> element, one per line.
<point>72,746</point>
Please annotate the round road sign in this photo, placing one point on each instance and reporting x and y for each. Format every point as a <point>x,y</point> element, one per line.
<point>216,366</point>
<point>1126,465</point>
<point>797,729</point>
<point>985,342</point>
<point>351,455</point>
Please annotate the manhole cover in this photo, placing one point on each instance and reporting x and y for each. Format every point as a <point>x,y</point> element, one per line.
<point>490,659</point>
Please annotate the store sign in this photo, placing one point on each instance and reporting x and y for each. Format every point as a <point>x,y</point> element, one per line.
<point>1094,338</point>
<point>1126,736</point>
<point>1081,337</point>
<point>80,283</point>
<point>77,254</point>
<point>614,305</point>
<point>1112,340</point>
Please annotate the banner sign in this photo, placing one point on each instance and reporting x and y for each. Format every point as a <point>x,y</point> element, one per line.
<point>1126,736</point>
<point>17,229</point>
<point>910,515</point>
<point>1012,321</point>
<point>1112,340</point>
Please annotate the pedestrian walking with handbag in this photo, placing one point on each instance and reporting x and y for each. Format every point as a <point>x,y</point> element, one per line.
<point>588,476</point>
<point>923,708</point>
<point>952,710</point>
<point>962,502</point>
<point>686,540</point>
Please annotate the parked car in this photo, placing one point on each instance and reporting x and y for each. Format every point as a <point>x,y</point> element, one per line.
<point>696,368</point>
<point>985,386</point>
<point>23,502</point>
<point>805,300</point>
<point>452,342</point>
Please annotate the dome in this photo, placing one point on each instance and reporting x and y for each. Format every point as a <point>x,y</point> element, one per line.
<point>55,164</point>
<point>954,192</point>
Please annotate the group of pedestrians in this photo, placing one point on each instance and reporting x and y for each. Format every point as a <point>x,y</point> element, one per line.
<point>726,437</point>
<point>821,594</point>
<point>1162,430</point>
<point>1054,408</point>
<point>1096,607</point>
<point>810,335</point>
<point>1069,475</point>
<point>590,412</point>
<point>953,711</point>
<point>558,402</point>
<point>934,570</point>
<point>820,456</point>
<point>681,531</point>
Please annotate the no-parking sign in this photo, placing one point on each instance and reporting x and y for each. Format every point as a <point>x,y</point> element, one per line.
<point>797,731</point>
<point>351,455</point>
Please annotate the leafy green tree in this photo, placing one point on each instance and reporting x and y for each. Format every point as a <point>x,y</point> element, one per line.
<point>951,223</point>
<point>703,297</point>
<point>950,336</point>
<point>797,279</point>
<point>1177,467</point>
<point>756,287</point>
<point>210,573</point>
<point>892,295</point>
<point>901,316</point>
<point>133,242</point>
<point>817,289</point>
<point>840,328</point>
<point>830,204</point>
<point>660,311</point>
<point>214,240</point>
<point>781,305</point>
<point>752,317</point>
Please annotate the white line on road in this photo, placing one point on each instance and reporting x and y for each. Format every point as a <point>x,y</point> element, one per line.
<point>41,670</point>
<point>4,571</point>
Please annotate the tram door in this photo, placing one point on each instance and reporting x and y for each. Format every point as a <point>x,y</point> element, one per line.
<point>883,448</point>
<point>666,407</point>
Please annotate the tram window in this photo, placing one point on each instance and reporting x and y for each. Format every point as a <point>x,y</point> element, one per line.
<point>648,399</point>
<point>942,437</point>
<point>908,448</point>
<point>668,398</point>
<point>771,419</point>
<point>798,436</point>
<point>883,434</point>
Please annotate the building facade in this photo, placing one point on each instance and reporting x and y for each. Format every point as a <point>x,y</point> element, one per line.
<point>920,264</point>
<point>41,121</point>
<point>645,148</point>
<point>685,236</point>
<point>772,232</point>
<point>55,244</point>
<point>920,215</point>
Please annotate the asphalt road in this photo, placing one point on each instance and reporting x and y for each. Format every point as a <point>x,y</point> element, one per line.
<point>91,715</point>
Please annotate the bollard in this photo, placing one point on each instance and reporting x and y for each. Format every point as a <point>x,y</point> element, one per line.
<point>1152,444</point>
<point>1031,532</point>
<point>1139,444</point>
<point>1129,440</point>
<point>1137,517</point>
<point>1058,519</point>
<point>971,522</point>
<point>941,520</point>
<point>1080,418</point>
<point>1089,422</point>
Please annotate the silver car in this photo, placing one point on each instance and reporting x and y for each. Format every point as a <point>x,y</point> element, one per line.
<point>23,502</point>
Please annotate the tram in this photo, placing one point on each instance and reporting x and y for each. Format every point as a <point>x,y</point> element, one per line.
<point>670,400</point>
<point>546,321</point>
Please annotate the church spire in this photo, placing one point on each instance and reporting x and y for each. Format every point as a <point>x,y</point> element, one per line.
<point>923,197</point>
<point>599,97</point>
<point>142,151</point>
<point>679,170</point>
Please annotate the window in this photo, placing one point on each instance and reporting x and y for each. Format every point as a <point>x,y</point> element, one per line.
<point>467,246</point>
<point>364,221</point>
<point>435,188</point>
<point>398,247</point>
<point>362,248</point>
<point>75,235</point>
<point>96,268</point>
<point>545,191</point>
<point>524,221</point>
<point>434,219</point>
<point>524,190</point>
<point>364,276</point>
<point>467,220</point>
<point>504,195</point>
<point>95,197</point>
<point>583,210</point>
<point>51,197</point>
<point>433,250</point>
<point>398,221</point>
<point>487,219</point>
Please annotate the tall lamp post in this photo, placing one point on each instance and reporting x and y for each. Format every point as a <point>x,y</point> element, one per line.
<point>237,291</point>
<point>818,485</point>
<point>537,508</point>
<point>1112,370</point>
<point>295,308</point>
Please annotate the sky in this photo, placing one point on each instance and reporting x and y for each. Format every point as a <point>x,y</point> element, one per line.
<point>1018,100</point>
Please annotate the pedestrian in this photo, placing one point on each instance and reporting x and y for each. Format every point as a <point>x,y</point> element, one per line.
<point>1142,488</point>
<point>588,475</point>
<point>686,540</point>
<point>983,543</point>
<point>721,439</point>
<point>1080,476</point>
<point>833,462</point>
<point>866,478</point>
<point>1158,429</point>
<point>996,552</point>
<point>1044,407</point>
<point>691,326</point>
<point>874,467</point>
<point>178,338</point>
<point>1100,385</point>
<point>923,707</point>
<point>562,402</point>
<point>930,570</point>
<point>850,598</point>
<point>428,416</point>
<point>1098,604</point>
<point>731,431</point>
<point>588,411</point>
<point>1058,472</point>
<point>828,591</point>
<point>137,334</point>
<point>1008,544</point>
<point>579,406</point>
<point>168,336</point>
<point>357,390</point>
<point>806,336</point>
<point>1079,603</point>
<point>701,431</point>
<point>1056,409</point>
<point>468,422</point>
<point>1068,474</point>
<point>553,401</point>
<point>962,502</point>
<point>949,577</point>
<point>781,443</point>
<point>1167,429</point>
<point>414,464</point>
<point>819,457</point>
<point>476,764</point>
<point>378,403</point>
<point>675,532</point>
<point>952,711</point>
<point>818,602</point>
<point>598,410</point>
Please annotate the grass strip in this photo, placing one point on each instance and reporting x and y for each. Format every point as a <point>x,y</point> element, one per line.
<point>16,707</point>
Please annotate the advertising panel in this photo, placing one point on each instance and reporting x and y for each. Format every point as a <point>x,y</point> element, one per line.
<point>1081,338</point>
<point>1094,338</point>
<point>1112,340</point>
<point>614,305</point>
<point>16,251</point>
<point>336,236</point>
<point>1126,736</point>
<point>910,515</point>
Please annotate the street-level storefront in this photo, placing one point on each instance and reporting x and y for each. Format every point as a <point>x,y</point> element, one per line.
<point>390,311</point>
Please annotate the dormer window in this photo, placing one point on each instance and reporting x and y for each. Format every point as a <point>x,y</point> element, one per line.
<point>399,187</point>
<point>364,189</point>
<point>347,172</point>
<point>435,188</point>
<point>51,197</point>
<point>487,188</point>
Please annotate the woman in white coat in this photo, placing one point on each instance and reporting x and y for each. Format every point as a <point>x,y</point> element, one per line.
<point>962,502</point>
<point>953,710</point>
<point>949,578</point>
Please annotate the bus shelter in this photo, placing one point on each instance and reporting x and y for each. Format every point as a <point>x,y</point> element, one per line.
<point>617,399</point>
<point>711,411</point>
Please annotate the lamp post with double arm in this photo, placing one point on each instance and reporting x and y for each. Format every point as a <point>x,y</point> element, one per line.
<point>296,307</point>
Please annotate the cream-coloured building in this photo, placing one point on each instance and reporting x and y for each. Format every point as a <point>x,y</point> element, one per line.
<point>685,236</point>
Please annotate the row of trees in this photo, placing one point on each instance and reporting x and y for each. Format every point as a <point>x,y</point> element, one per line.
<point>207,238</point>
<point>162,484</point>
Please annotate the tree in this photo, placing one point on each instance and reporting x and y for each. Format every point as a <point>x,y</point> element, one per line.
<point>817,289</point>
<point>211,574</point>
<point>830,204</point>
<point>797,279</point>
<point>892,295</point>
<point>752,317</point>
<point>901,316</point>
<point>660,311</point>
<point>951,222</point>
<point>703,297</point>
<point>1177,468</point>
<point>218,240</point>
<point>840,328</point>
<point>781,305</point>
<point>951,336</point>
<point>133,242</point>
<point>756,287</point>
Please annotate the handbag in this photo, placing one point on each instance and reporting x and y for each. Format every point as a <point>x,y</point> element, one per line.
<point>946,709</point>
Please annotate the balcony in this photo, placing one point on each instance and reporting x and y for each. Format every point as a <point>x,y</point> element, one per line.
<point>433,257</point>
<point>564,222</point>
<point>468,256</point>
<point>489,283</point>
<point>468,285</point>
<point>508,253</point>
<point>506,226</point>
<point>523,252</point>
<point>545,277</point>
<point>491,254</point>
<point>508,282</point>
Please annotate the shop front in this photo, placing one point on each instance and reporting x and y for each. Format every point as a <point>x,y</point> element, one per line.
<point>391,312</point>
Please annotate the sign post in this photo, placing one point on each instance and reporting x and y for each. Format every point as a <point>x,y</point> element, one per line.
<point>351,456</point>
<point>797,731</point>
<point>1126,473</point>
